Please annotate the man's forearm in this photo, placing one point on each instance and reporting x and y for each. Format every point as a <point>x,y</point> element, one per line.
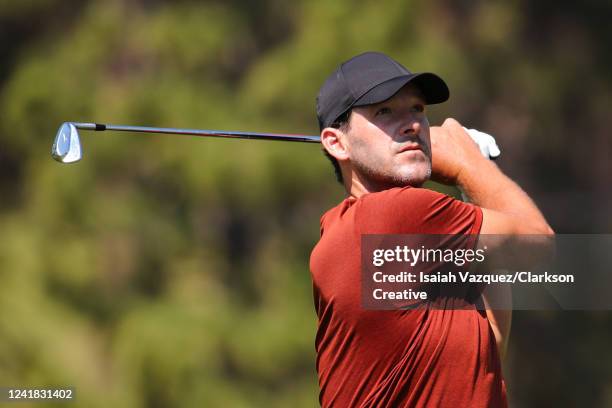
<point>486,186</point>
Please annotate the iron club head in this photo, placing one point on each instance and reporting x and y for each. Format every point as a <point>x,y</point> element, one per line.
<point>67,146</point>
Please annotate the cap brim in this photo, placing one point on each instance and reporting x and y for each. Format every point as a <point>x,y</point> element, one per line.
<point>433,87</point>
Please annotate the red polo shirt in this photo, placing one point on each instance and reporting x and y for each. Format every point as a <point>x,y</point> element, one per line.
<point>397,358</point>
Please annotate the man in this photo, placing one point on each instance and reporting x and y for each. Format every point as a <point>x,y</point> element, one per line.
<point>374,128</point>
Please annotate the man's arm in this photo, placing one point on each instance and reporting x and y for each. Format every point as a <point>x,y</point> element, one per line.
<point>507,209</point>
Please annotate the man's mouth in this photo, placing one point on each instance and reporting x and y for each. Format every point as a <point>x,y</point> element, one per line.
<point>410,147</point>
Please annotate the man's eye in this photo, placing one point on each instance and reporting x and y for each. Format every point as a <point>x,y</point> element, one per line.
<point>418,108</point>
<point>383,111</point>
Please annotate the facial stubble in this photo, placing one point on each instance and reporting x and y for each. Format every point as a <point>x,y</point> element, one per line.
<point>383,175</point>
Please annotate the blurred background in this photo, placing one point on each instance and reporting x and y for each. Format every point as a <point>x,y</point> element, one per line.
<point>168,271</point>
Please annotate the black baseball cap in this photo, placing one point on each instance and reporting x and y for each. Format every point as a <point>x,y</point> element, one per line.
<point>370,78</point>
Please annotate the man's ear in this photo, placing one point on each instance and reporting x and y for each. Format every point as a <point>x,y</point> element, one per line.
<point>334,141</point>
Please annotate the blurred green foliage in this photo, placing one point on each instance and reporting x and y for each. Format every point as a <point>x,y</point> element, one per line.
<point>166,271</point>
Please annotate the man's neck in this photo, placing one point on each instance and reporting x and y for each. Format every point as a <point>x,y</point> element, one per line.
<point>357,187</point>
<point>355,190</point>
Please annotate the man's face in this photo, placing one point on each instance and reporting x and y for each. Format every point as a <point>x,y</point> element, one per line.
<point>388,143</point>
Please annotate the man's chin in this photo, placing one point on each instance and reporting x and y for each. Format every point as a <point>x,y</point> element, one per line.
<point>414,178</point>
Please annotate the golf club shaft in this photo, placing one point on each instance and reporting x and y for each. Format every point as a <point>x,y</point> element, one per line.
<point>199,132</point>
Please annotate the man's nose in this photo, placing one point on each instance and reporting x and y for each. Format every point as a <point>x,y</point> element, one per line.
<point>412,127</point>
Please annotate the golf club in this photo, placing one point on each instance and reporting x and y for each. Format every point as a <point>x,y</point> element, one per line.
<point>67,145</point>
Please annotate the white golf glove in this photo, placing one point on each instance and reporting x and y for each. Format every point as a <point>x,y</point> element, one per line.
<point>488,147</point>
<point>486,143</point>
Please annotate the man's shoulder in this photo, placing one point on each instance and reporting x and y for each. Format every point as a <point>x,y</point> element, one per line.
<point>400,197</point>
<point>405,210</point>
<point>386,203</point>
<point>395,195</point>
<point>333,213</point>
